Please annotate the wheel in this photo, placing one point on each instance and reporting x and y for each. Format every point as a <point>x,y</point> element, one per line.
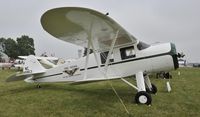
<point>153,89</point>
<point>143,97</point>
<point>38,86</point>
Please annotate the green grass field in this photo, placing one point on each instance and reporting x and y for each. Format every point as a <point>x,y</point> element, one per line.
<point>20,99</point>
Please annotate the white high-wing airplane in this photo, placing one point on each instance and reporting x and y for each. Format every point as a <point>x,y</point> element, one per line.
<point>116,53</point>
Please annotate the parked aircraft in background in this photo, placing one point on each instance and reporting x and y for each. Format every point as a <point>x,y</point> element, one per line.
<point>47,62</point>
<point>6,65</point>
<point>4,60</point>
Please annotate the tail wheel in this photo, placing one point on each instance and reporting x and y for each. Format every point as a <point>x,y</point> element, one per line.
<point>38,86</point>
<point>153,89</point>
<point>143,97</point>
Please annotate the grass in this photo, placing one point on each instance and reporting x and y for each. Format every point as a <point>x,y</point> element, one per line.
<point>20,99</point>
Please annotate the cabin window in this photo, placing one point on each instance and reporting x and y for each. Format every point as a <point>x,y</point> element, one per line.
<point>142,45</point>
<point>127,52</point>
<point>104,56</point>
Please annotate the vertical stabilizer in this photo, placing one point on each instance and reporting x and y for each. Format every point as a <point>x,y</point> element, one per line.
<point>32,65</point>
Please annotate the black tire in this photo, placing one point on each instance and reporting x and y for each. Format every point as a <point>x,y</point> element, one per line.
<point>143,97</point>
<point>38,86</point>
<point>153,89</point>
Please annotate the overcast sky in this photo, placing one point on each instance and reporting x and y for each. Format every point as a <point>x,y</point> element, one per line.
<point>151,21</point>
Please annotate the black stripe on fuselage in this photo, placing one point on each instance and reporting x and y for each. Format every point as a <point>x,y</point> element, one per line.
<point>49,75</point>
<point>130,60</point>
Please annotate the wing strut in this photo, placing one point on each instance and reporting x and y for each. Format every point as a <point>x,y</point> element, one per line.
<point>110,52</point>
<point>106,69</point>
<point>90,44</point>
<point>87,58</point>
<point>127,82</point>
<point>95,54</point>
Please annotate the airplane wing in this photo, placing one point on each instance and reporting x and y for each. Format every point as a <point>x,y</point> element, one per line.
<point>76,25</point>
<point>40,58</point>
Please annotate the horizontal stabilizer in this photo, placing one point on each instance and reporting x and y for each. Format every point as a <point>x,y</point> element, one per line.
<point>18,77</point>
<point>21,76</point>
<point>40,58</point>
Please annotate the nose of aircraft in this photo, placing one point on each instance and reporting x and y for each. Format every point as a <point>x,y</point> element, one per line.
<point>174,56</point>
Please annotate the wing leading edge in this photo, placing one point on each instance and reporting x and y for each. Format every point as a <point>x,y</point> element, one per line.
<point>76,25</point>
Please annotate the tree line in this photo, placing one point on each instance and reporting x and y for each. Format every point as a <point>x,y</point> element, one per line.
<point>22,46</point>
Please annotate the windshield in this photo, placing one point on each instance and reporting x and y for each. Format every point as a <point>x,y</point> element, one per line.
<point>141,45</point>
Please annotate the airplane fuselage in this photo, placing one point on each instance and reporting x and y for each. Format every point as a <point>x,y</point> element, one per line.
<point>125,61</point>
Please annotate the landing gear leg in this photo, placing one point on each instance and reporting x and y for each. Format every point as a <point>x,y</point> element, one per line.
<point>151,88</point>
<point>140,81</point>
<point>142,97</point>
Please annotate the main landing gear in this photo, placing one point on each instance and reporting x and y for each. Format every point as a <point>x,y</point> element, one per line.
<point>144,87</point>
<point>143,97</point>
<point>152,90</point>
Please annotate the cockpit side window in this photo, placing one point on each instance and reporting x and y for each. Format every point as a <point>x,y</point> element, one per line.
<point>141,45</point>
<point>127,52</point>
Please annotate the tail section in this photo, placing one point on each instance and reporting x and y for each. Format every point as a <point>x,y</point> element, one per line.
<point>32,65</point>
